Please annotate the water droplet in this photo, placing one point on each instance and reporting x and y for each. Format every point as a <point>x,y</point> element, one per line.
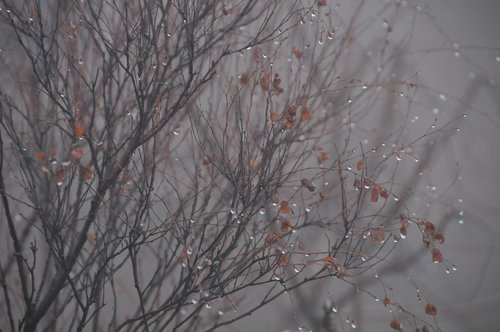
<point>194,301</point>
<point>456,54</point>
<point>302,21</point>
<point>335,307</point>
<point>497,58</point>
<point>330,35</point>
<point>454,268</point>
<point>349,167</point>
<point>461,213</point>
<point>220,313</point>
<point>264,55</point>
<point>443,97</point>
<point>177,131</point>
<point>262,211</point>
<point>385,24</point>
<point>189,250</point>
<point>192,221</point>
<point>208,306</point>
<point>396,198</point>
<point>448,271</point>
<point>313,14</point>
<point>308,209</point>
<point>296,270</point>
<point>354,324</point>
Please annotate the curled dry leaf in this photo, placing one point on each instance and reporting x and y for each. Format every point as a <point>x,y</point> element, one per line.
<point>244,78</point>
<point>285,208</point>
<point>378,235</point>
<point>286,226</point>
<point>437,256</point>
<point>387,301</point>
<point>360,165</point>
<point>321,3</point>
<point>439,237</point>
<point>308,185</point>
<point>429,228</point>
<point>430,309</point>
<point>396,325</point>
<point>79,130</point>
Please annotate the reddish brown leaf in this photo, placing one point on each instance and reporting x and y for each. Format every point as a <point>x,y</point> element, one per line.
<point>244,78</point>
<point>378,235</point>
<point>79,130</point>
<point>305,115</point>
<point>40,155</point>
<point>321,3</point>
<point>396,325</point>
<point>384,193</point>
<point>437,256</point>
<point>286,226</point>
<point>86,172</point>
<point>387,301</point>
<point>323,156</point>
<point>429,227</point>
<point>283,261</point>
<point>77,152</point>
<point>298,54</point>
<point>274,117</point>
<point>360,165</point>
<point>284,208</point>
<point>439,237</point>
<point>308,185</point>
<point>430,309</point>
<point>374,195</point>
<point>264,81</point>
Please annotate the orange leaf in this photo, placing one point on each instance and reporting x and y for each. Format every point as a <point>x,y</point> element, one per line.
<point>360,165</point>
<point>79,130</point>
<point>329,261</point>
<point>283,261</point>
<point>284,209</point>
<point>40,155</point>
<point>430,309</point>
<point>77,153</point>
<point>323,157</point>
<point>274,117</point>
<point>305,115</point>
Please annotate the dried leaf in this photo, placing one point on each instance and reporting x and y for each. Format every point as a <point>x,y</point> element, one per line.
<point>285,208</point>
<point>374,195</point>
<point>387,301</point>
<point>305,115</point>
<point>430,309</point>
<point>77,152</point>
<point>437,256</point>
<point>40,155</point>
<point>79,130</point>
<point>384,194</point>
<point>429,228</point>
<point>283,261</point>
<point>378,235</point>
<point>286,226</point>
<point>264,81</point>
<point>298,54</point>
<point>244,78</point>
<point>323,156</point>
<point>274,117</point>
<point>396,325</point>
<point>329,261</point>
<point>360,165</point>
<point>439,237</point>
<point>86,172</point>
<point>308,185</point>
